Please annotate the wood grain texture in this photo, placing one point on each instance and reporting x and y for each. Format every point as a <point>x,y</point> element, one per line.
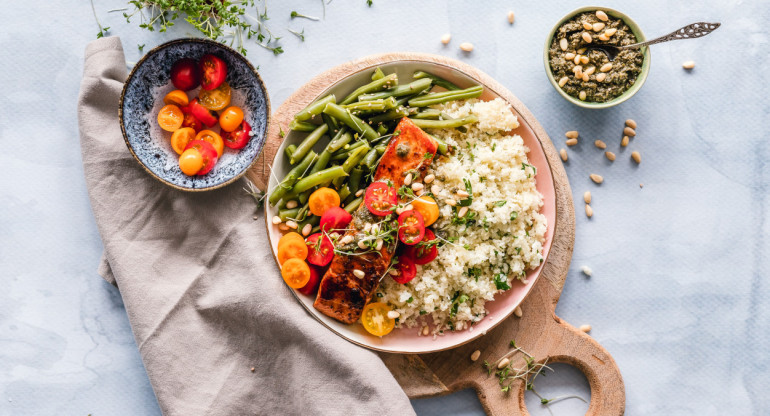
<point>539,331</point>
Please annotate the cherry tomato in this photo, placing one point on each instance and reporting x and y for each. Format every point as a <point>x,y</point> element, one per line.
<point>380,198</point>
<point>217,98</point>
<point>320,252</point>
<point>425,251</point>
<point>208,117</point>
<point>295,272</point>
<point>335,218</point>
<point>170,118</point>
<point>231,118</point>
<point>322,199</point>
<point>428,208</point>
<point>375,319</point>
<point>411,227</point>
<point>190,120</point>
<point>190,162</point>
<point>208,153</point>
<point>176,97</point>
<point>406,270</point>
<point>316,273</point>
<point>213,72</point>
<point>214,139</point>
<point>181,137</point>
<point>238,138</point>
<point>185,74</point>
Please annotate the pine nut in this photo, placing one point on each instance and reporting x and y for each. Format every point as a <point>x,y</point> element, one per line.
<point>563,44</point>
<point>611,31</point>
<point>292,204</point>
<point>581,50</point>
<point>587,197</point>
<point>563,81</point>
<point>425,330</point>
<point>587,26</point>
<point>292,224</point>
<point>587,37</point>
<point>334,236</point>
<point>367,227</point>
<point>641,185</point>
<point>435,189</point>
<point>624,142</point>
<point>582,95</point>
<point>584,59</point>
<point>598,27</point>
<point>503,363</point>
<point>466,46</point>
<point>563,154</point>
<point>606,67</point>
<point>417,186</point>
<point>604,37</point>
<point>602,16</point>
<point>429,178</point>
<point>628,131</point>
<point>450,202</point>
<point>346,240</point>
<point>585,328</point>
<point>393,272</point>
<point>408,179</point>
<point>586,77</point>
<point>578,70</point>
<point>590,70</point>
<point>283,227</point>
<point>577,59</point>
<point>359,273</point>
<point>610,156</point>
<point>359,192</point>
<point>376,228</point>
<point>446,38</point>
<point>518,312</point>
<point>600,77</point>
<point>596,178</point>
<point>362,244</point>
<point>600,144</point>
<point>586,271</point>
<point>276,220</point>
<point>688,65</point>
<point>589,211</point>
<point>569,56</point>
<point>475,356</point>
<point>571,142</point>
<point>572,134</point>
<point>631,123</point>
<point>307,229</point>
<point>393,314</point>
<point>462,212</point>
<point>636,156</point>
<point>462,194</point>
<point>511,17</point>
<point>378,245</point>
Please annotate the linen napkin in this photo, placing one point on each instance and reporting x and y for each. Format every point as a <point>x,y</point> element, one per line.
<point>218,330</point>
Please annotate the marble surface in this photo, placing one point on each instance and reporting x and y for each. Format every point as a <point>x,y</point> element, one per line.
<point>679,288</point>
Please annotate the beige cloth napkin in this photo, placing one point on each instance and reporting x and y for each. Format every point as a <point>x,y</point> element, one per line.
<point>205,300</point>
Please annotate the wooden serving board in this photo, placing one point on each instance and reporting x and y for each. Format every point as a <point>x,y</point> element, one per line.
<point>539,331</point>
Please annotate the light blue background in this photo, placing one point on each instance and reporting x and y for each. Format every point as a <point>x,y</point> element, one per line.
<point>679,290</point>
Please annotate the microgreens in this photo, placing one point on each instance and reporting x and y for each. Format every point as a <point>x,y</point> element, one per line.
<point>296,14</point>
<point>300,35</point>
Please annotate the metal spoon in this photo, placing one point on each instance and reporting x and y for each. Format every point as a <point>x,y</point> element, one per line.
<point>695,30</point>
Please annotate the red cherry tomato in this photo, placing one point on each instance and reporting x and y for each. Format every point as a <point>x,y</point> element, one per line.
<point>380,198</point>
<point>190,120</point>
<point>425,251</point>
<point>185,74</point>
<point>213,72</point>
<point>406,270</point>
<point>335,218</point>
<point>238,138</point>
<point>316,273</point>
<point>411,227</point>
<point>208,117</point>
<point>207,151</point>
<point>320,249</point>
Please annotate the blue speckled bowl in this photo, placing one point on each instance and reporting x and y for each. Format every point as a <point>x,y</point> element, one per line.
<point>142,97</point>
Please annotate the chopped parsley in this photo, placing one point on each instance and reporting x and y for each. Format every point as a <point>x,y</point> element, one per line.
<point>500,203</point>
<point>501,282</point>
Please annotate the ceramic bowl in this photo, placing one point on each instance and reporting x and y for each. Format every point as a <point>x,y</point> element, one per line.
<point>617,100</point>
<point>142,98</point>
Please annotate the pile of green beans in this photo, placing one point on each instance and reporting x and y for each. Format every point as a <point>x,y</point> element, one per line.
<point>356,132</point>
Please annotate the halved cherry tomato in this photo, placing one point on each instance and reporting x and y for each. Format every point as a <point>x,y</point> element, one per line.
<point>428,208</point>
<point>170,118</point>
<point>380,198</point>
<point>320,249</point>
<point>181,137</point>
<point>217,98</point>
<point>214,139</point>
<point>411,227</point>
<point>238,138</point>
<point>185,74</point>
<point>292,249</point>
<point>289,237</point>
<point>190,162</point>
<point>231,118</point>
<point>423,252</point>
<point>322,199</point>
<point>190,120</point>
<point>295,272</point>
<point>213,72</point>
<point>208,117</point>
<point>375,319</point>
<point>207,151</point>
<point>316,273</point>
<point>335,218</point>
<point>406,270</point>
<point>176,97</point>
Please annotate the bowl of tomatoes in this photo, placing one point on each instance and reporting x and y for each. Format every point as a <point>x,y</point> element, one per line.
<point>194,114</point>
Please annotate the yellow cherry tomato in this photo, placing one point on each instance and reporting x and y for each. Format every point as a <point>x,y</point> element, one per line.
<point>170,118</point>
<point>215,99</point>
<point>375,319</point>
<point>181,137</point>
<point>176,97</point>
<point>296,273</point>
<point>191,161</point>
<point>213,138</point>
<point>230,119</point>
<point>426,206</point>
<point>322,199</point>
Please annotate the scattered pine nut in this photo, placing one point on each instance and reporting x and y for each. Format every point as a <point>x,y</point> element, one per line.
<point>628,131</point>
<point>359,192</point>
<point>631,123</point>
<point>606,67</point>
<point>511,17</point>
<point>435,189</point>
<point>378,244</point>
<point>463,193</point>
<point>503,363</point>
<point>596,178</point>
<point>429,178</point>
<point>577,59</point>
<point>589,211</point>
<point>582,95</point>
<point>569,56</point>
<point>255,218</point>
<point>586,77</point>
<point>359,273</point>
<point>417,186</point>
<point>600,77</point>
<point>518,312</point>
<point>563,44</point>
<point>253,369</point>
<point>624,142</point>
<point>475,356</point>
<point>446,38</point>
<point>563,154</point>
<point>688,65</point>
<point>585,328</point>
<point>584,59</point>
<point>292,204</point>
<point>636,156</point>
<point>611,31</point>
<point>408,179</point>
<point>307,229</point>
<point>425,330</point>
<point>393,314</point>
<point>610,156</point>
<point>586,271</point>
<point>450,202</point>
<point>346,240</point>
<point>590,70</point>
<point>461,213</point>
<point>604,37</point>
<point>276,220</point>
<point>572,134</point>
<point>602,16</point>
<point>641,185</point>
<point>587,26</point>
<point>292,224</point>
<point>571,142</point>
<point>597,27</point>
<point>600,144</point>
<point>466,46</point>
<point>587,37</point>
<point>283,227</point>
<point>393,272</point>
<point>587,197</point>
<point>563,81</point>
<point>362,245</point>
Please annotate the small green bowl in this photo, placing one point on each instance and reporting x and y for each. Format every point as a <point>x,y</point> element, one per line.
<point>639,80</point>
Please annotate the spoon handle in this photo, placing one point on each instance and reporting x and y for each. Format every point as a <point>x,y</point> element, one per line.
<point>691,31</point>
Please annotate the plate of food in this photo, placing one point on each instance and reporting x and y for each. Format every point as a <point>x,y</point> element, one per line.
<point>410,207</point>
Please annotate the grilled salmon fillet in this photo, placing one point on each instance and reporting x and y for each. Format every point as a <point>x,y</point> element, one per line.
<point>342,295</point>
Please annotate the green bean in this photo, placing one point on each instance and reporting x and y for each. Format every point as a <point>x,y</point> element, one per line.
<point>395,114</point>
<point>323,160</point>
<point>289,150</point>
<point>303,211</point>
<point>382,129</point>
<point>341,139</point>
<point>441,82</point>
<point>445,124</point>
<point>428,114</point>
<point>351,121</point>
<point>308,143</point>
<point>334,127</point>
<point>370,160</point>
<point>319,177</point>
<point>373,105</point>
<point>377,85</point>
<point>344,192</point>
<point>443,148</point>
<point>304,196</point>
<point>378,74</point>
<point>291,178</point>
<point>352,161</point>
<point>354,181</point>
<point>381,149</point>
<point>301,126</point>
<point>345,151</point>
<point>315,108</point>
<point>414,87</point>
<point>288,214</point>
<point>442,97</point>
<point>339,157</point>
<point>354,204</point>
<point>310,219</point>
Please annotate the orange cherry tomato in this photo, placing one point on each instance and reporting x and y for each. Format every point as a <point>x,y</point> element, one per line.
<point>323,199</point>
<point>292,236</point>
<point>375,319</point>
<point>170,118</point>
<point>181,137</point>
<point>426,206</point>
<point>292,250</point>
<point>191,161</point>
<point>296,273</point>
<point>231,118</point>
<point>217,98</point>
<point>214,139</point>
<point>176,97</point>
